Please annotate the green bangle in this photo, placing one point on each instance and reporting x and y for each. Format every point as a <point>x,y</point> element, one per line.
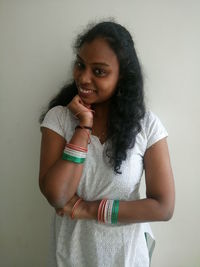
<point>115,211</point>
<point>73,159</point>
<point>113,217</point>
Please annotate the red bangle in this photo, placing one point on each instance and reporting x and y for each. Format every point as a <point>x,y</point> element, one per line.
<point>75,206</point>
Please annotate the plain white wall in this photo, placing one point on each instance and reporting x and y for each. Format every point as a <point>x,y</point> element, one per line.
<point>35,60</point>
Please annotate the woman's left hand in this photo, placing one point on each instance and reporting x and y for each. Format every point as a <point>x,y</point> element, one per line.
<point>81,211</point>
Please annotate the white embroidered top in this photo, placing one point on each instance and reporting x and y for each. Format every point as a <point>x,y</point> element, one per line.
<point>87,243</point>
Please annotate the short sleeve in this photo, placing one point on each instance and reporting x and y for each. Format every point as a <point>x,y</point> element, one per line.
<point>154,129</point>
<point>54,120</point>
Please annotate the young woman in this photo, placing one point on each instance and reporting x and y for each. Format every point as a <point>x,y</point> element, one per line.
<point>97,138</point>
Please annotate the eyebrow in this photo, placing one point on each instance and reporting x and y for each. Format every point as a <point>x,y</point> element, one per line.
<point>95,63</point>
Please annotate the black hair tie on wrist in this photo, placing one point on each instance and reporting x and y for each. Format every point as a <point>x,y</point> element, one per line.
<point>85,127</point>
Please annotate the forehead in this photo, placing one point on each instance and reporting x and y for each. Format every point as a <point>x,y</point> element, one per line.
<point>98,51</point>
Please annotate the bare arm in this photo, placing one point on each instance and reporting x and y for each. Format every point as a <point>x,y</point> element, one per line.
<point>159,204</point>
<point>160,192</point>
<point>58,178</point>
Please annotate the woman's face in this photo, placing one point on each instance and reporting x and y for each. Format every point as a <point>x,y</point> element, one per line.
<point>96,71</point>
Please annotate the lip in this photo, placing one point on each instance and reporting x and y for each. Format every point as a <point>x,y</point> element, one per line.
<point>85,88</point>
<point>83,94</point>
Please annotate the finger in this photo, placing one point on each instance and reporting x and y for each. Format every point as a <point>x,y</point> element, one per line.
<point>82,102</point>
<point>87,106</point>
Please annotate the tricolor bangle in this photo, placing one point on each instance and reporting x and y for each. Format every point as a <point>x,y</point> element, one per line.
<point>115,211</point>
<point>72,158</point>
<point>108,211</point>
<point>74,153</point>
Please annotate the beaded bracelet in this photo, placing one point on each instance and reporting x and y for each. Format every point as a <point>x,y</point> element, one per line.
<point>84,128</point>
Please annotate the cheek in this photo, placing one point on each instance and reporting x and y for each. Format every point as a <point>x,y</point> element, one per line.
<point>109,86</point>
<point>105,91</point>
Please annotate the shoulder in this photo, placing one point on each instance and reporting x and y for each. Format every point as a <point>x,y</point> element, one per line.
<point>57,119</point>
<point>153,128</point>
<point>150,120</point>
<point>57,113</point>
<point>58,110</point>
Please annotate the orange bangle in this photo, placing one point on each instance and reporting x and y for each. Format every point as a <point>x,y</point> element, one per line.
<point>83,111</point>
<point>75,206</point>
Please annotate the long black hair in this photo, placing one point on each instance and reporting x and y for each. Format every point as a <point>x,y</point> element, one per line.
<point>127,106</point>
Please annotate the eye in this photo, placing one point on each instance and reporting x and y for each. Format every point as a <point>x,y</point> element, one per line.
<point>99,72</point>
<point>79,64</point>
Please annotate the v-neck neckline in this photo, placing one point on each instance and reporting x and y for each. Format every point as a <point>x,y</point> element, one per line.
<point>97,138</point>
<point>93,136</point>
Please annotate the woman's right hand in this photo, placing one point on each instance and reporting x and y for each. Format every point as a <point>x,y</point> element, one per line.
<point>84,114</point>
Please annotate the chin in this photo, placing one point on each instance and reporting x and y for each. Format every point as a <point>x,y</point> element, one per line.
<point>87,101</point>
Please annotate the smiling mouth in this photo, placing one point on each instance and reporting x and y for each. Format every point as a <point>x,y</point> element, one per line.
<point>86,91</point>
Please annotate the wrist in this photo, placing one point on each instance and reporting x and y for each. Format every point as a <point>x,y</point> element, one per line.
<point>92,209</point>
<point>87,122</point>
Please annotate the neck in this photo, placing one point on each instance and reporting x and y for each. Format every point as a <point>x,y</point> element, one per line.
<point>101,110</point>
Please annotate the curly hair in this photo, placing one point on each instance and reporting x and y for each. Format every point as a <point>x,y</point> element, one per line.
<point>127,106</point>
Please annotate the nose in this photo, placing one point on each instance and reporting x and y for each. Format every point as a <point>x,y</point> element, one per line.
<point>85,76</point>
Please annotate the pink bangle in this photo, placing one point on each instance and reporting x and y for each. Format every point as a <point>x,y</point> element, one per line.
<point>75,206</point>
<point>103,210</point>
<point>79,148</point>
<point>99,210</point>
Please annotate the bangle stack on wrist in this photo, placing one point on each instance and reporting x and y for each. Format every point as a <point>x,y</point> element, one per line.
<point>74,153</point>
<point>108,211</point>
